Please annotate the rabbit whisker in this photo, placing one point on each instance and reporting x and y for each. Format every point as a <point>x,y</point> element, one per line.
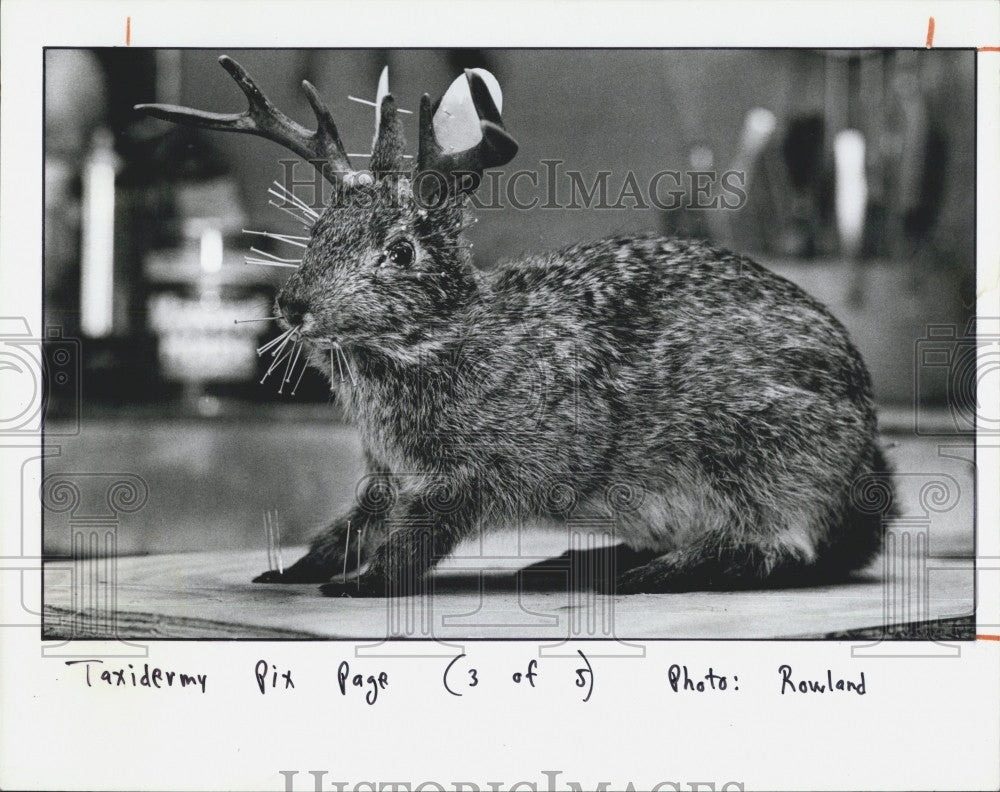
<point>291,240</point>
<point>262,319</point>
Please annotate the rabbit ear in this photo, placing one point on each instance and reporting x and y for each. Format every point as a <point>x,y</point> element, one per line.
<point>387,152</point>
<point>472,97</point>
<point>381,91</point>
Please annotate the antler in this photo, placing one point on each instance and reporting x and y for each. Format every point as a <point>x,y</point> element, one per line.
<point>322,148</point>
<point>495,148</point>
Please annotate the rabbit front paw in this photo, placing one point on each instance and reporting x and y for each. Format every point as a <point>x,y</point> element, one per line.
<point>365,585</point>
<point>308,569</point>
<point>338,550</point>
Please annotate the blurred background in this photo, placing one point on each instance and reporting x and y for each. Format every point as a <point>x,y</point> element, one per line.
<point>858,168</point>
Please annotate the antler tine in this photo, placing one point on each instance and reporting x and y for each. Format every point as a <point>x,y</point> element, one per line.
<point>326,130</point>
<point>496,147</point>
<point>322,147</point>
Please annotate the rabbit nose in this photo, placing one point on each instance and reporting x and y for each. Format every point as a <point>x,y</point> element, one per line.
<point>293,309</point>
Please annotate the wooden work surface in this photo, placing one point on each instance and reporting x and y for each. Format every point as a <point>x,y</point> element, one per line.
<point>208,595</point>
<point>199,500</point>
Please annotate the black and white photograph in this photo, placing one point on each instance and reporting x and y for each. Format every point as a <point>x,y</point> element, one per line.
<point>504,396</point>
<point>664,356</point>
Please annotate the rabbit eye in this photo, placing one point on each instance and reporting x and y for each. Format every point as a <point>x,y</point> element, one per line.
<point>401,253</point>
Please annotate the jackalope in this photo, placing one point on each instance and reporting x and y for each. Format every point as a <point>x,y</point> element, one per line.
<point>710,414</point>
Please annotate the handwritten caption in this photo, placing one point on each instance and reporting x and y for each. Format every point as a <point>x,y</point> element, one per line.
<point>462,676</point>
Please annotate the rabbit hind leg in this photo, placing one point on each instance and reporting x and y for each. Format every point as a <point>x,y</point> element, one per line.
<point>708,566</point>
<point>596,567</point>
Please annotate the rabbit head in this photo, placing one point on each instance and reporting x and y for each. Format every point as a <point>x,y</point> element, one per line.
<point>383,265</point>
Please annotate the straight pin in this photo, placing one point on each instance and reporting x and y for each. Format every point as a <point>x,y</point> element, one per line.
<point>289,195</point>
<point>339,367</point>
<point>279,357</point>
<point>305,365</point>
<point>347,365</point>
<point>418,275</point>
<point>350,370</point>
<point>295,362</point>
<point>277,537</point>
<point>262,349</point>
<point>405,156</point>
<point>298,202</point>
<point>304,215</point>
<point>293,355</point>
<point>277,362</point>
<point>347,544</point>
<point>267,541</point>
<point>249,260</point>
<point>370,103</point>
<point>290,368</point>
<point>277,350</point>
<point>287,238</point>
<point>273,257</point>
<point>306,222</point>
<point>361,537</point>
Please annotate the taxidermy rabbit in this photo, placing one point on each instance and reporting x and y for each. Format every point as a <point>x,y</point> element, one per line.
<point>711,412</point>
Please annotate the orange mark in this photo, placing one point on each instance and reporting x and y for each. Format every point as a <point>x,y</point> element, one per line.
<point>988,637</point>
<point>930,32</point>
<point>128,31</point>
<point>989,49</point>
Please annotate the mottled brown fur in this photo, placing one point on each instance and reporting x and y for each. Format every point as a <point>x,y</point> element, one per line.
<point>710,415</point>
